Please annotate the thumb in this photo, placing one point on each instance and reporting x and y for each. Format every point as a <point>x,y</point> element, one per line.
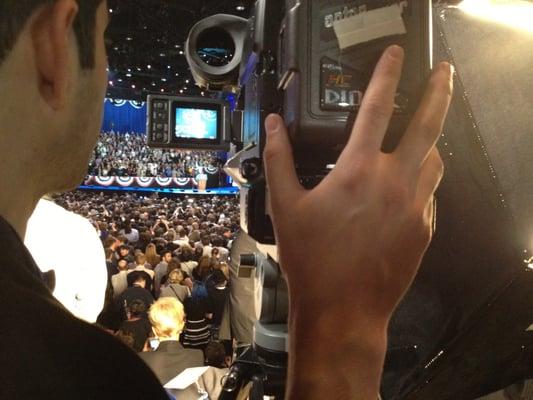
<point>281,177</point>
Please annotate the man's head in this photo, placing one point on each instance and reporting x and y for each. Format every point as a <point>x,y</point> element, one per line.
<point>167,317</point>
<point>140,259</point>
<point>139,281</point>
<point>123,251</point>
<point>122,264</point>
<point>53,66</point>
<point>215,355</point>
<point>167,256</point>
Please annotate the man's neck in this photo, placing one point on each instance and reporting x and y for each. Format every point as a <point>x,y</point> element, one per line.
<point>16,207</point>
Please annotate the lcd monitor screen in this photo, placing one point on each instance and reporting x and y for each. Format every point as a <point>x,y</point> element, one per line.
<point>196,123</point>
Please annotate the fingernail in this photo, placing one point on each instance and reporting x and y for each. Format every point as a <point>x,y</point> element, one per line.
<point>395,52</point>
<point>447,68</point>
<point>272,124</point>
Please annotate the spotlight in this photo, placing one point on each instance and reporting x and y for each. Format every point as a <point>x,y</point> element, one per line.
<point>513,13</point>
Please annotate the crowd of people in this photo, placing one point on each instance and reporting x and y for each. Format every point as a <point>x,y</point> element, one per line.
<point>127,154</point>
<point>168,273</point>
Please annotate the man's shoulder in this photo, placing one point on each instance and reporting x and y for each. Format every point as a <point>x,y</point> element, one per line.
<point>56,352</point>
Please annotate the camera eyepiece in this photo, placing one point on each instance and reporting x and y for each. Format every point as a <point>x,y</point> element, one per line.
<point>214,50</point>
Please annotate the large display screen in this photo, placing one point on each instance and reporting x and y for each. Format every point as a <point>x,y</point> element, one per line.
<point>196,123</point>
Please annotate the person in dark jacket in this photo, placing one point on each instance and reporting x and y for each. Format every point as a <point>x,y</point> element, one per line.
<point>167,317</point>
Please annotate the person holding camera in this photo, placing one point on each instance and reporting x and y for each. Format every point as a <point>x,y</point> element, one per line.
<point>53,65</point>
<point>383,210</point>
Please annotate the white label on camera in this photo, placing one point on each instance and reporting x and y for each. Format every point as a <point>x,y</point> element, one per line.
<point>370,25</point>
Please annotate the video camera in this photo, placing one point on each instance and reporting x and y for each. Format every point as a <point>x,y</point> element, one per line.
<point>310,61</point>
<point>464,329</point>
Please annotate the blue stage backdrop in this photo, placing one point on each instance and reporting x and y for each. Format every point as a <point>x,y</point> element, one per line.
<point>124,116</point>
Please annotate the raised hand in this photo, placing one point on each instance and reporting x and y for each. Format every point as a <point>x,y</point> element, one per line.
<point>351,247</point>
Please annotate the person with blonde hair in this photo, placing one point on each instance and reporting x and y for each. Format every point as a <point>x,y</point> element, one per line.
<point>175,287</point>
<point>167,317</point>
<point>151,255</point>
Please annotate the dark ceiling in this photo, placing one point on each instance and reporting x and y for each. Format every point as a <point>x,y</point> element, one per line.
<point>145,43</point>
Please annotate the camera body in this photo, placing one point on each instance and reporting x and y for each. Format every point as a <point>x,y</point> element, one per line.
<point>311,61</point>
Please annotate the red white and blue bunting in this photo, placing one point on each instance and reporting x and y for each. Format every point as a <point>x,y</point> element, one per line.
<point>164,182</point>
<point>125,180</point>
<point>182,181</point>
<point>140,181</point>
<point>104,180</point>
<point>144,182</point>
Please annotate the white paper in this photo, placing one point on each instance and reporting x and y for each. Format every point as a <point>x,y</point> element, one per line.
<point>186,378</point>
<point>530,329</point>
<point>370,25</point>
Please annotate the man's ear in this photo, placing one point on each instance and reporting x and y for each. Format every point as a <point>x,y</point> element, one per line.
<point>51,34</point>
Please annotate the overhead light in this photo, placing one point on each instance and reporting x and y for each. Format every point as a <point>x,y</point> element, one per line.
<point>153,84</point>
<point>110,83</point>
<point>168,67</point>
<point>181,52</point>
<point>181,90</point>
<point>163,79</point>
<point>161,54</point>
<point>129,38</point>
<point>240,7</point>
<point>162,90</point>
<point>149,66</point>
<point>120,80</point>
<point>186,81</point>
<point>133,86</point>
<point>110,11</point>
<point>513,13</point>
<point>128,75</point>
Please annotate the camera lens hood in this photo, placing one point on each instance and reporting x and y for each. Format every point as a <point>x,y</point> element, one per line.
<point>216,77</point>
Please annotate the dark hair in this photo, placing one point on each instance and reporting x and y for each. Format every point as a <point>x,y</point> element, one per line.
<point>137,308</point>
<point>215,354</point>
<point>15,13</point>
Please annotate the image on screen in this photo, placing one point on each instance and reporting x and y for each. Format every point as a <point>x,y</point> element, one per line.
<point>192,123</point>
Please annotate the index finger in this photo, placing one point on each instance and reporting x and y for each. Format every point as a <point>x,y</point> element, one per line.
<point>377,107</point>
<point>426,126</point>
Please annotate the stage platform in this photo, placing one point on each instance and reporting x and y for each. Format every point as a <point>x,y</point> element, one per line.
<point>226,191</point>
